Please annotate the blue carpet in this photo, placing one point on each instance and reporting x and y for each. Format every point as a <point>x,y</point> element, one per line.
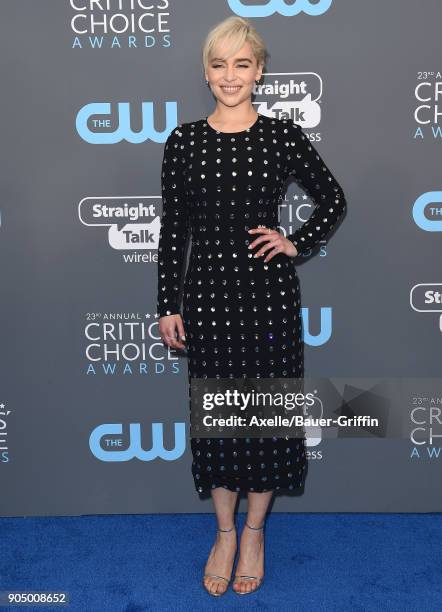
<point>314,562</point>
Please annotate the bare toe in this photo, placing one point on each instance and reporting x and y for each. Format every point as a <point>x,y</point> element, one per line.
<point>220,562</point>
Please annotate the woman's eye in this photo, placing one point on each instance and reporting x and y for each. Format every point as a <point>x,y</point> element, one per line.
<point>239,66</point>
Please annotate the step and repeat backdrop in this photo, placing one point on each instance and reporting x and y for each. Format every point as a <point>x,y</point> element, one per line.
<point>94,413</point>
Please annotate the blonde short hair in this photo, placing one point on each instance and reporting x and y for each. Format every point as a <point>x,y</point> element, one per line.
<point>238,31</point>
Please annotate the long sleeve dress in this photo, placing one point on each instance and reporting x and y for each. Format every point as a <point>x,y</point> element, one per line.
<point>242,317</point>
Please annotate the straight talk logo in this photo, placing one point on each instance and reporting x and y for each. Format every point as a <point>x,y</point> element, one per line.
<point>427,297</point>
<point>132,222</point>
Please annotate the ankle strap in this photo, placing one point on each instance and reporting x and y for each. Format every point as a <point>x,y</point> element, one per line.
<point>227,529</point>
<point>256,528</point>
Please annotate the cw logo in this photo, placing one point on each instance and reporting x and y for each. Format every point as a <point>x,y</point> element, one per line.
<point>325,327</point>
<point>421,219</point>
<point>134,449</point>
<point>96,115</point>
<point>279,6</point>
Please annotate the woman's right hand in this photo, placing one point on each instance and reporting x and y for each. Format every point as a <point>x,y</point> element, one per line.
<point>171,327</point>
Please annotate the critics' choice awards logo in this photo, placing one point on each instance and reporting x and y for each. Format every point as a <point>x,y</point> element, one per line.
<point>133,223</point>
<point>118,24</point>
<point>129,343</point>
<point>126,343</point>
<point>287,8</point>
<point>108,443</point>
<point>425,427</point>
<point>428,93</point>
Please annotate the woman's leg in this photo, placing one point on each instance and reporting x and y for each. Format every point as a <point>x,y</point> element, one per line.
<point>251,559</point>
<point>222,555</point>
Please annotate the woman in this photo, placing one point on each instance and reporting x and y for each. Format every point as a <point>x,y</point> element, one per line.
<point>222,180</point>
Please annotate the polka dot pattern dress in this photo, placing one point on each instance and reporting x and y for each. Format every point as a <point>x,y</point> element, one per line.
<point>242,317</point>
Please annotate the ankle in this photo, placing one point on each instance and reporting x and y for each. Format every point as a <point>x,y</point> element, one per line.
<point>227,537</point>
<point>257,526</point>
<point>226,529</point>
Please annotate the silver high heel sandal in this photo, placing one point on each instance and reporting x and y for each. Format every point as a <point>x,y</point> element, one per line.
<point>216,575</point>
<point>240,577</point>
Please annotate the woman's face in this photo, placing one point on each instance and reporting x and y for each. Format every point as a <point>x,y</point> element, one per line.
<point>232,79</point>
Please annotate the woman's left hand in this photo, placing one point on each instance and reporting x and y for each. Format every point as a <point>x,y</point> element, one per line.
<point>273,242</point>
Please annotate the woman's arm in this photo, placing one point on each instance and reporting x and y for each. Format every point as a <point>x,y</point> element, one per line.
<point>313,176</point>
<point>174,224</point>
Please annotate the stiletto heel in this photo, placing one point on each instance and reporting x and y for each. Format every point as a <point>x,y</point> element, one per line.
<point>216,575</point>
<point>239,577</point>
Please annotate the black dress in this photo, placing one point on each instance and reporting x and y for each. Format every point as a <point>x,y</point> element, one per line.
<point>242,317</point>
